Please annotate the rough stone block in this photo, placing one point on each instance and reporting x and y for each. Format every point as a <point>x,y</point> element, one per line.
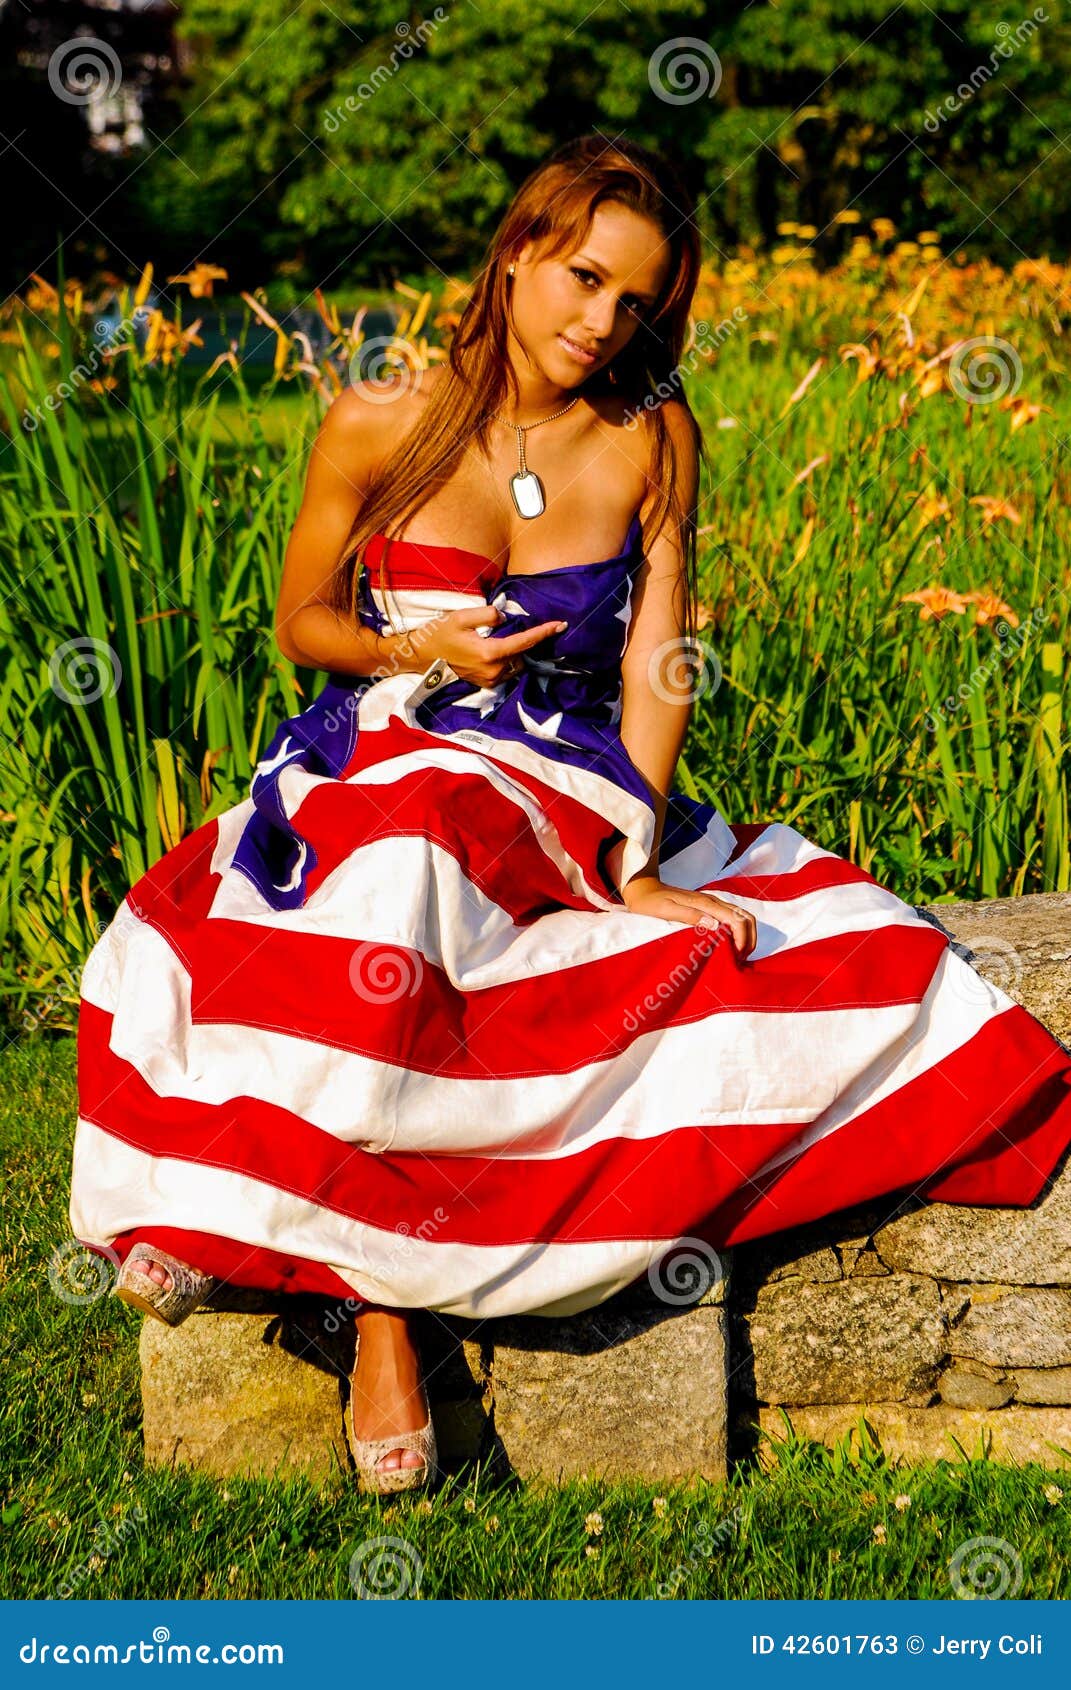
<point>253,1394</point>
<point>855,1340</point>
<point>1019,1246</point>
<point>1019,1327</point>
<point>963,1387</point>
<point>615,1392</point>
<point>257,1385</point>
<point>1014,1435</point>
<point>1050,1385</point>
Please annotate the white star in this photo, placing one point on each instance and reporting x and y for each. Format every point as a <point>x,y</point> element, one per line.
<point>295,873</point>
<point>282,756</point>
<point>508,606</point>
<point>545,730</point>
<point>483,700</point>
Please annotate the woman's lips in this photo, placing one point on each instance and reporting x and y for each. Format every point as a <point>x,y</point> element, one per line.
<point>574,351</point>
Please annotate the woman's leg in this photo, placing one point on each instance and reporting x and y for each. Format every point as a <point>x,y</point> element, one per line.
<point>386,1396</point>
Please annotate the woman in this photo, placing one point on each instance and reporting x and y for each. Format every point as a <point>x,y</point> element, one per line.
<point>467,1007</point>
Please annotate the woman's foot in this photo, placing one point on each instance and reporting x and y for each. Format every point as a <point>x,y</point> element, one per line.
<point>385,1390</point>
<point>159,1284</point>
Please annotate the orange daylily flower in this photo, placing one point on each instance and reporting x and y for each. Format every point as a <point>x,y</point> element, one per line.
<point>993,509</point>
<point>933,506</point>
<point>869,360</point>
<point>936,602</point>
<point>1022,410</point>
<point>931,380</point>
<point>165,339</point>
<point>199,280</point>
<point>988,606</point>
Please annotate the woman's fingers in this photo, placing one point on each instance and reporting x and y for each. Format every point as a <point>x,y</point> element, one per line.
<point>741,923</point>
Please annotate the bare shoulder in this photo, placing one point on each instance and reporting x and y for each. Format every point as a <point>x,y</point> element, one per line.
<point>368,419</point>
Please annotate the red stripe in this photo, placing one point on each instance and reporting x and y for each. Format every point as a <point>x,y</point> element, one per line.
<point>819,875</point>
<point>175,894</point>
<point>701,1181</point>
<point>581,829</point>
<point>430,565</point>
<point>745,834</point>
<point>238,1263</point>
<point>389,1003</point>
<point>489,835</point>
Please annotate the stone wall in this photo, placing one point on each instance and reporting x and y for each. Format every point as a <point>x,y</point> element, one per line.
<point>947,1328</point>
<point>938,1322</point>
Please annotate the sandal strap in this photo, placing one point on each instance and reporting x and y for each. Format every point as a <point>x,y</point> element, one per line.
<point>185,1279</point>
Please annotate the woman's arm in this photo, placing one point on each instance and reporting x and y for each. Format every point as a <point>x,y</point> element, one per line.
<point>307,630</point>
<point>656,703</point>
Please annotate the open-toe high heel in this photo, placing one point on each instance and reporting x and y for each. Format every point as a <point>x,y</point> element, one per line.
<point>368,1452</point>
<point>169,1303</point>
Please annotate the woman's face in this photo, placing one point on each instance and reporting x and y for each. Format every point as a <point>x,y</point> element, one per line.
<point>591,298</point>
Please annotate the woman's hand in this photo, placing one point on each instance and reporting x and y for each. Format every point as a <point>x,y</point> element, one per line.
<point>645,894</point>
<point>473,656</point>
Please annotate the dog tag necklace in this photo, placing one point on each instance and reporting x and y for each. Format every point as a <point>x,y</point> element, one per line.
<point>526,487</point>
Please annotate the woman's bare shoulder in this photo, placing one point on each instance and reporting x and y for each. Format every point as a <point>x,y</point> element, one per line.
<point>368,419</point>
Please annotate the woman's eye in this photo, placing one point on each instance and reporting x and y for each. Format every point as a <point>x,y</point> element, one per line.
<point>637,307</point>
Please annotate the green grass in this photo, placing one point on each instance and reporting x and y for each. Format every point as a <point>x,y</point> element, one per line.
<point>74,1485</point>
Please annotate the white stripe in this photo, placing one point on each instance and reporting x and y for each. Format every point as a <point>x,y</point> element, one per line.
<point>407,608</point>
<point>295,785</point>
<point>602,796</point>
<point>117,1187</point>
<point>730,1067</point>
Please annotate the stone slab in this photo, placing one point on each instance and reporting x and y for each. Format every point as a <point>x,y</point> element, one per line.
<point>1016,1434</point>
<point>249,1394</point>
<point>613,1393</point>
<point>1019,1326</point>
<point>954,1241</point>
<point>236,1391</point>
<point>848,1341</point>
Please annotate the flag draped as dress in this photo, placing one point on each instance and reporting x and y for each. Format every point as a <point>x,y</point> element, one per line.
<point>386,1030</point>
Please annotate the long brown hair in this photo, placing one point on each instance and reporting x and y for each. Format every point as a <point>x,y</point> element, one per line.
<point>555,205</point>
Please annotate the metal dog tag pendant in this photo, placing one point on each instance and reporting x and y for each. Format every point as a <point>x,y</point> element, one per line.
<point>527,493</point>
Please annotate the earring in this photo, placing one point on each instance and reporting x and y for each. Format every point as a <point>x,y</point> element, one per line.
<point>611,374</point>
<point>511,268</point>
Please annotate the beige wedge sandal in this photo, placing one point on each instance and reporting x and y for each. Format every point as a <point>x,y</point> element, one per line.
<point>367,1452</point>
<point>170,1303</point>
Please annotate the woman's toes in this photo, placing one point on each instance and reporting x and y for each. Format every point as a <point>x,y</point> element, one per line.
<point>154,1270</point>
<point>400,1458</point>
